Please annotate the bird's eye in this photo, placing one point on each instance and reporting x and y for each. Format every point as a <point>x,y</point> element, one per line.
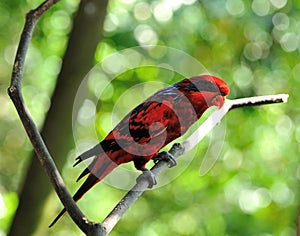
<point>223,94</point>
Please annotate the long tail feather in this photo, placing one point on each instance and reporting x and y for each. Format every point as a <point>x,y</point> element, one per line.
<point>98,169</point>
<point>84,173</point>
<point>89,153</point>
<point>58,217</point>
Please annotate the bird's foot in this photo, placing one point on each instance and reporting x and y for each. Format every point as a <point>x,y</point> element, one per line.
<point>165,156</point>
<point>148,176</point>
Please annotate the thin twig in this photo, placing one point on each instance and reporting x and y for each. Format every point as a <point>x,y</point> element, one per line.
<point>15,93</point>
<point>178,149</point>
<point>216,117</point>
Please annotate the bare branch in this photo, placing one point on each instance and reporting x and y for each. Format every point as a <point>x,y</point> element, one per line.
<point>217,115</point>
<point>258,100</point>
<point>15,93</point>
<point>178,149</point>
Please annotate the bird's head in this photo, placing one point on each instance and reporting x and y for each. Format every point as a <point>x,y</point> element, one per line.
<point>204,90</point>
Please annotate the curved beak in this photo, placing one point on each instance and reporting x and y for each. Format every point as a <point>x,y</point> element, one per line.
<point>218,101</point>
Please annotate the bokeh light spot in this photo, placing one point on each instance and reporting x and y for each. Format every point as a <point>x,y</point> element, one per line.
<point>86,113</point>
<point>261,7</point>
<point>188,2</point>
<point>184,223</point>
<point>243,76</point>
<point>114,64</point>
<point>111,23</point>
<point>60,20</point>
<point>282,194</point>
<point>107,93</point>
<point>162,12</point>
<point>278,3</point>
<point>106,122</point>
<point>252,200</point>
<point>284,126</point>
<point>289,42</point>
<point>252,51</point>
<point>142,11</point>
<point>235,7</point>
<point>233,159</point>
<point>145,35</point>
<point>281,21</point>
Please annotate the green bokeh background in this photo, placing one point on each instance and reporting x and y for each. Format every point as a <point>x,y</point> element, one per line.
<point>253,188</point>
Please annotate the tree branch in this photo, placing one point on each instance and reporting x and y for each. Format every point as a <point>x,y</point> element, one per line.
<point>15,93</point>
<point>178,149</point>
<point>217,115</point>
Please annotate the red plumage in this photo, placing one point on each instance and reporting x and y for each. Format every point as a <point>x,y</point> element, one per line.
<point>157,121</point>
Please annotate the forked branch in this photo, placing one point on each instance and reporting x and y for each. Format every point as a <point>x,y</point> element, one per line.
<point>15,93</point>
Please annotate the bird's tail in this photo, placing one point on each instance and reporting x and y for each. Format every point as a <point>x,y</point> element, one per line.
<point>101,166</point>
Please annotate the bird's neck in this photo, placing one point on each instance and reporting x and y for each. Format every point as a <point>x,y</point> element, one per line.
<point>199,104</point>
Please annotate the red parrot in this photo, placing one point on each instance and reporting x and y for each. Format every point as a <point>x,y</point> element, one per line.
<point>150,126</point>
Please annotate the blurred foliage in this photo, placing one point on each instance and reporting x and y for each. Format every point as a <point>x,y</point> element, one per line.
<point>253,45</point>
